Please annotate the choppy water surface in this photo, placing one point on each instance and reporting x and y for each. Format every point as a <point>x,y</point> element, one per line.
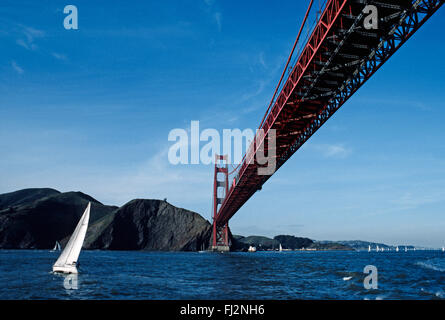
<point>260,275</point>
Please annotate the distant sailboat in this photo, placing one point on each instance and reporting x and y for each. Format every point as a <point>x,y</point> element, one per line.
<point>397,249</point>
<point>369,248</point>
<point>252,249</point>
<point>57,247</point>
<point>67,262</point>
<point>443,249</point>
<point>406,249</point>
<point>281,248</point>
<point>377,249</point>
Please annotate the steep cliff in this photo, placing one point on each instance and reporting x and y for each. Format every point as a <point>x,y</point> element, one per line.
<point>150,225</point>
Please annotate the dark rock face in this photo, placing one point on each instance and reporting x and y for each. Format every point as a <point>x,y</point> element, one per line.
<point>36,218</point>
<point>291,242</point>
<point>25,196</point>
<point>150,225</point>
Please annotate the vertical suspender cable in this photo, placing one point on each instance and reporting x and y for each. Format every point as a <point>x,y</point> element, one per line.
<point>287,64</point>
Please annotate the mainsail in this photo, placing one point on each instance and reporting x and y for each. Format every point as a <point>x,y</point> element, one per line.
<point>68,258</point>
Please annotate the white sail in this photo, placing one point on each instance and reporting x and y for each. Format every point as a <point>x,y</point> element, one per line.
<point>56,246</point>
<point>68,258</point>
<point>281,248</point>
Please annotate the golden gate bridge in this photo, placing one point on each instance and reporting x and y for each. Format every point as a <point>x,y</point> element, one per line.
<point>339,56</point>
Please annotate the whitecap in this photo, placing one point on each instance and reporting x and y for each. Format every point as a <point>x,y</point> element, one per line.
<point>432,265</point>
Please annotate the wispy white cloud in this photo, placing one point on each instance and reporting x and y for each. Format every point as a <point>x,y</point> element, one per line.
<point>28,36</point>
<point>261,84</point>
<point>218,19</point>
<point>59,56</point>
<point>25,45</point>
<point>338,151</point>
<point>262,60</point>
<point>17,68</point>
<point>214,12</point>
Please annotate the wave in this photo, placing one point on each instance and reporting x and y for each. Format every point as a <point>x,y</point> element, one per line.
<point>436,265</point>
<point>438,294</point>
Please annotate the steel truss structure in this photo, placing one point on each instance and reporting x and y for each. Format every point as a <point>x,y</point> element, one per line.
<point>339,57</point>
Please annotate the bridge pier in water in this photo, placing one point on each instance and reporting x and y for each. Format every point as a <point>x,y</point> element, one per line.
<point>220,237</point>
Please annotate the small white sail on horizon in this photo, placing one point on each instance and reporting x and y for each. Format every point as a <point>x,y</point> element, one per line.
<point>281,248</point>
<point>377,249</point>
<point>57,247</point>
<point>369,248</point>
<point>443,249</point>
<point>397,249</point>
<point>67,262</point>
<point>406,249</point>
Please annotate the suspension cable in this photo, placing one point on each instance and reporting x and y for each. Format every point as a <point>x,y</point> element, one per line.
<point>287,63</point>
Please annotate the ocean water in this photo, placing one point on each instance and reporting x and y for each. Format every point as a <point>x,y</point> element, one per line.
<point>25,274</point>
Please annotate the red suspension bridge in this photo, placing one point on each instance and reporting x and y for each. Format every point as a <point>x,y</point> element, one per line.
<point>340,55</point>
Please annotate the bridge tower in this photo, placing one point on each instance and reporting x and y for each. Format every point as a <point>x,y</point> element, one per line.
<point>220,241</point>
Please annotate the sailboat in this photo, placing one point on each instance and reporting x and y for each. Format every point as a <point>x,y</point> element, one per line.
<point>397,249</point>
<point>281,248</point>
<point>369,248</point>
<point>57,247</point>
<point>406,249</point>
<point>377,249</point>
<point>67,262</point>
<point>443,249</point>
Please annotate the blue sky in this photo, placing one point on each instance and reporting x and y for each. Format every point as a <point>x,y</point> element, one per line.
<point>91,109</point>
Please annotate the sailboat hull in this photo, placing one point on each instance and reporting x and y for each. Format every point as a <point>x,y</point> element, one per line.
<point>65,269</point>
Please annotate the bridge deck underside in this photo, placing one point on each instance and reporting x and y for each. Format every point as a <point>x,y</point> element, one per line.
<point>338,58</point>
